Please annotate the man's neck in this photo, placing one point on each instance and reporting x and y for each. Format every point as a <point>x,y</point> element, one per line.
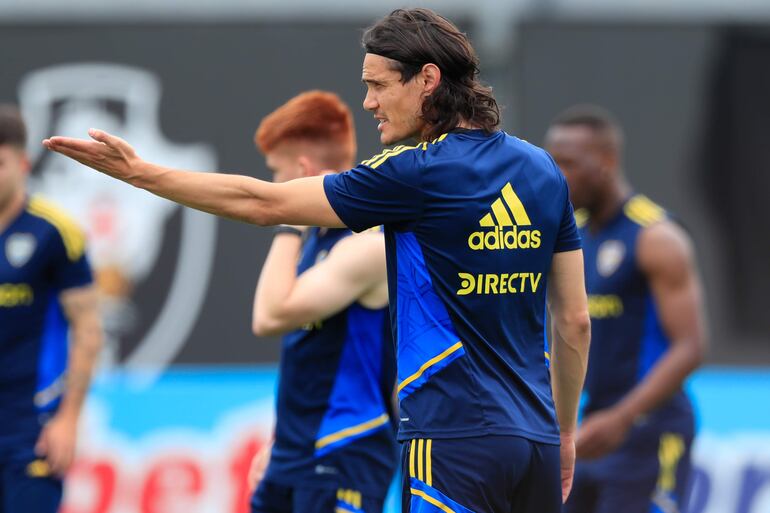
<point>11,209</point>
<point>609,204</point>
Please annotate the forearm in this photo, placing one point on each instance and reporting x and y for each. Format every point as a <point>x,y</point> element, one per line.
<point>663,380</point>
<point>236,197</point>
<point>84,352</point>
<point>569,360</point>
<point>276,281</point>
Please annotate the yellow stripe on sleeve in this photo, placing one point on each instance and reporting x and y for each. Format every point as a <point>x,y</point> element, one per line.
<point>380,158</point>
<point>643,211</point>
<point>428,469</point>
<point>384,153</point>
<point>581,217</point>
<point>396,151</point>
<point>72,236</point>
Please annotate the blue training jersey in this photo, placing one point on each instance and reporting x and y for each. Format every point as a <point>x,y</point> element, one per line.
<point>472,221</point>
<point>334,426</point>
<point>627,338</point>
<point>42,252</point>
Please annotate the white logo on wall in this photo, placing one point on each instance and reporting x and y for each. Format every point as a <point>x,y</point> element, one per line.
<point>125,225</point>
<point>19,248</point>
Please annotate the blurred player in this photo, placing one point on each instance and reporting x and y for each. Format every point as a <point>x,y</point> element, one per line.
<point>478,225</point>
<point>334,447</point>
<point>647,328</point>
<point>45,290</point>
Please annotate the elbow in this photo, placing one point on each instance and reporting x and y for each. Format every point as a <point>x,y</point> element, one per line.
<point>265,327</point>
<point>262,212</point>
<point>578,325</point>
<point>579,321</point>
<point>698,352</point>
<point>261,217</point>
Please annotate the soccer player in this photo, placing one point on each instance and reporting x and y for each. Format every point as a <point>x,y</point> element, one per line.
<point>478,225</point>
<point>45,291</point>
<point>647,328</point>
<point>334,447</point>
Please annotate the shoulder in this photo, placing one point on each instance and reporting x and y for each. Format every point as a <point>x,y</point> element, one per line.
<point>545,170</point>
<point>60,224</point>
<point>415,154</point>
<point>643,211</point>
<point>664,247</point>
<point>581,217</point>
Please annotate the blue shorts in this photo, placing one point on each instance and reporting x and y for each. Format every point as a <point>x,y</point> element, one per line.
<point>489,474</point>
<point>648,474</point>
<point>276,498</point>
<point>26,483</point>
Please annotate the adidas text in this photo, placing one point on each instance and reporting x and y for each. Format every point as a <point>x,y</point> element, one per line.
<point>504,238</point>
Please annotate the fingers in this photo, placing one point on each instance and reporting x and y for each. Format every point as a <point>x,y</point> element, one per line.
<point>104,137</point>
<point>57,142</point>
<point>590,448</point>
<point>61,458</point>
<point>566,487</point>
<point>41,447</point>
<point>84,158</point>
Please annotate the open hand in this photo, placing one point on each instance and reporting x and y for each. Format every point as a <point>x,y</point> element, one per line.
<point>567,458</point>
<point>56,444</point>
<point>601,433</point>
<point>106,153</point>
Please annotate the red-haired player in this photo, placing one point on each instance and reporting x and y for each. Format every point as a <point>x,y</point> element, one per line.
<point>326,291</point>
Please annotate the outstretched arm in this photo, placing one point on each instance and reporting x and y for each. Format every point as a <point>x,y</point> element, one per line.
<point>353,271</point>
<point>301,202</point>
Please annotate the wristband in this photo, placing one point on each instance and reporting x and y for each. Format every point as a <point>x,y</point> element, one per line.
<point>284,228</point>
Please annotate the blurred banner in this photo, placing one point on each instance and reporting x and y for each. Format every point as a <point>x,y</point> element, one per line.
<point>172,280</point>
<point>184,445</point>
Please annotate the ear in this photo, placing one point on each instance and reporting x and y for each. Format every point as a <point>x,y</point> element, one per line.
<point>307,167</point>
<point>25,163</point>
<point>430,76</point>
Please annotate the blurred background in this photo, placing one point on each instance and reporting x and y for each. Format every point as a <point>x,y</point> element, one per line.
<point>185,392</point>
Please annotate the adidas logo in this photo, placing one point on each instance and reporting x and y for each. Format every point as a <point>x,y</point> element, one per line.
<point>509,222</point>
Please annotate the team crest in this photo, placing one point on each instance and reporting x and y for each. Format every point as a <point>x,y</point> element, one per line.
<point>610,256</point>
<point>19,248</point>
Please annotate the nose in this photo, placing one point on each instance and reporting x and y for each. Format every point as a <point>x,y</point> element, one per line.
<point>370,103</point>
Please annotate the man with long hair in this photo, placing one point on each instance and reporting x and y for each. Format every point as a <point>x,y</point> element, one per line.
<point>326,291</point>
<point>50,334</point>
<point>478,225</point>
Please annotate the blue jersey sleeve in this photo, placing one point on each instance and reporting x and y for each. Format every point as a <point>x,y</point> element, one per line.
<point>69,263</point>
<point>382,190</point>
<point>569,237</point>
